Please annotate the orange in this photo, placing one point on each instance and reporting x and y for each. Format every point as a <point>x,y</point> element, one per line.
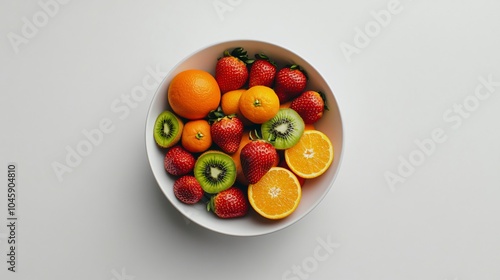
<point>240,177</point>
<point>283,164</point>
<point>196,136</point>
<point>230,101</point>
<point>285,105</point>
<point>309,126</point>
<point>311,156</point>
<point>276,195</point>
<point>192,94</point>
<point>259,104</point>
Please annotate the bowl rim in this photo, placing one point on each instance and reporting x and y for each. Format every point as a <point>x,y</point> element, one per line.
<point>241,42</point>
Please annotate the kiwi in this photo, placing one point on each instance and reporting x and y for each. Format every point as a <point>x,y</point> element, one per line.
<point>168,129</point>
<point>215,171</point>
<point>284,129</point>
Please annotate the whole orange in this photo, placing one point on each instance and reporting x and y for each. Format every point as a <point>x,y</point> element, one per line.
<point>230,102</point>
<point>196,136</point>
<point>192,94</point>
<point>245,139</point>
<point>259,104</point>
<point>285,105</point>
<point>309,126</point>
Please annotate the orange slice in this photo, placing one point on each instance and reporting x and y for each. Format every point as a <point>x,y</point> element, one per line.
<point>276,195</point>
<point>311,156</point>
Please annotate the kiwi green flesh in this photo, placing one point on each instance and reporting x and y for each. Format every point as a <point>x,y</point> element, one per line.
<point>215,172</point>
<point>166,129</point>
<point>283,130</point>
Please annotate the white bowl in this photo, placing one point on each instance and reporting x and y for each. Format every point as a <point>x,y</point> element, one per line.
<point>313,191</point>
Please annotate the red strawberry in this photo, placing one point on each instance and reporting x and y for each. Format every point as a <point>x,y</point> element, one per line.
<point>226,131</point>
<point>178,161</point>
<point>310,105</point>
<point>230,203</point>
<point>262,72</point>
<point>256,158</point>
<point>188,190</point>
<point>290,82</point>
<point>231,71</point>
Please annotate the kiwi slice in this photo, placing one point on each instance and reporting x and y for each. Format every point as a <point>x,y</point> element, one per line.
<point>215,171</point>
<point>284,129</point>
<point>168,129</point>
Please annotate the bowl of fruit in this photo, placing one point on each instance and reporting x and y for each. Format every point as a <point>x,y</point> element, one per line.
<point>244,137</point>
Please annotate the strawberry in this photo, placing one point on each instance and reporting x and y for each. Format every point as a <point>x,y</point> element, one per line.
<point>256,158</point>
<point>188,190</point>
<point>226,131</point>
<point>262,72</point>
<point>231,71</point>
<point>310,105</point>
<point>178,161</point>
<point>230,203</point>
<point>290,81</point>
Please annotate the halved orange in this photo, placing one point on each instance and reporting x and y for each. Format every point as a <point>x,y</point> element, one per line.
<point>311,156</point>
<point>276,195</point>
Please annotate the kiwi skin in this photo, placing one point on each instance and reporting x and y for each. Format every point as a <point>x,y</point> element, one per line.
<point>201,170</point>
<point>288,119</point>
<point>176,125</point>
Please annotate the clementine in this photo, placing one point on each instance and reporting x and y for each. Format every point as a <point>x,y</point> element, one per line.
<point>196,136</point>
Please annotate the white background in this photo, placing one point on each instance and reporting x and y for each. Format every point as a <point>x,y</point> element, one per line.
<point>108,219</point>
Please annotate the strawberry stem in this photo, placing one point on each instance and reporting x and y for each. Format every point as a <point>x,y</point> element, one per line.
<point>211,204</point>
<point>215,115</point>
<point>271,139</point>
<point>264,57</point>
<point>239,53</point>
<point>256,133</point>
<point>323,96</point>
<point>298,67</point>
